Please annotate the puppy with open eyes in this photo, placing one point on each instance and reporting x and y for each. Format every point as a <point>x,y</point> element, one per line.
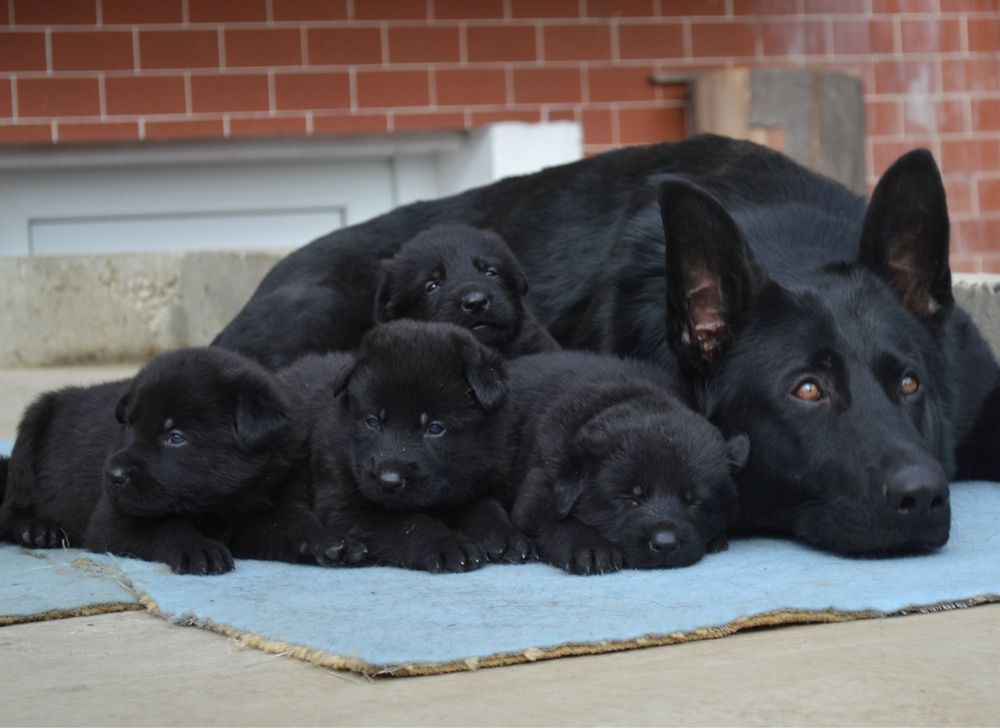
<point>191,462</point>
<point>614,470</point>
<point>464,276</point>
<point>411,446</point>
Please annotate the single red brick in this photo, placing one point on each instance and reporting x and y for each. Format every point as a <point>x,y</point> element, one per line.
<point>883,118</point>
<point>592,150</point>
<point>178,49</point>
<point>975,6</point>
<point>544,8</point>
<point>648,126</point>
<point>423,45</point>
<point>269,126</point>
<point>229,92</point>
<point>6,98</point>
<point>117,131</point>
<point>481,118</point>
<point>723,39</point>
<point>568,114</point>
<point>986,114</point>
<point>903,6</point>
<point>932,35</point>
<point>309,9</point>
<point>977,235</point>
<point>22,51</point>
<point>692,7</point>
<point>141,95</point>
<point>793,37</point>
<point>55,12</point>
<point>466,87</point>
<point>547,85</point>
<point>92,50</point>
<point>765,7</point>
<point>344,46</point>
<point>465,10</point>
<point>25,133</point>
<point>390,10</point>
<point>501,43</point>
<point>862,36</point>
<point>971,74</point>
<point>391,89</point>
<point>138,12</point>
<point>939,115</point>
<point>577,42</point>
<point>597,126</point>
<point>899,77</point>
<point>834,6</point>
<point>970,155</point>
<point>620,8</point>
<point>194,129</point>
<point>984,35</point>
<point>354,124</point>
<point>312,90</point>
<point>650,40</point>
<point>959,195</point>
<point>621,83</point>
<point>428,121</point>
<point>963,263</point>
<point>265,47</point>
<point>227,11</point>
<point>58,97</point>
<point>989,195</point>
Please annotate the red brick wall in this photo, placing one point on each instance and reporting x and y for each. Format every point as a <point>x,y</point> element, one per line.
<point>102,70</point>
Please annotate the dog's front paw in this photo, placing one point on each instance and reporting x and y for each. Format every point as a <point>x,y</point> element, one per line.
<point>201,558</point>
<point>330,550</point>
<point>450,553</point>
<point>717,544</point>
<point>584,556</point>
<point>38,534</point>
<point>508,545</point>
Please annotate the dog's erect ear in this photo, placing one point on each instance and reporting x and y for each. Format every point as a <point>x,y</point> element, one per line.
<point>485,371</point>
<point>737,452</point>
<point>343,377</point>
<point>711,274</point>
<point>383,294</point>
<point>121,409</point>
<point>905,236</point>
<point>260,418</point>
<point>565,494</point>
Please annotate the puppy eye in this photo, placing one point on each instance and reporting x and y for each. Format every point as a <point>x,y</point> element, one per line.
<point>491,272</point>
<point>372,422</point>
<point>808,391</point>
<point>434,429</point>
<point>176,438</point>
<point>430,286</point>
<point>909,385</point>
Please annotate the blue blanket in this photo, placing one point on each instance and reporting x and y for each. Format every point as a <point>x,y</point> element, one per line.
<point>389,621</point>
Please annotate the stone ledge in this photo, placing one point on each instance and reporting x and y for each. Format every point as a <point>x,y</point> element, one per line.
<point>113,308</point>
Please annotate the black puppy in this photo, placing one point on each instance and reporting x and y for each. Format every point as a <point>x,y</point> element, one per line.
<point>464,276</point>
<point>614,470</point>
<point>194,452</point>
<point>411,446</point>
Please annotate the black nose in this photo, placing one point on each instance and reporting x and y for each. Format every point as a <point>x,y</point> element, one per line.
<point>475,302</point>
<point>917,492</point>
<point>390,480</point>
<point>663,540</point>
<point>118,476</point>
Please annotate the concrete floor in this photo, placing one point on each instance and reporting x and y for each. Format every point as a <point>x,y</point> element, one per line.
<point>135,669</point>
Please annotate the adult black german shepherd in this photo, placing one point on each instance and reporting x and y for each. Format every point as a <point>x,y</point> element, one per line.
<point>823,328</point>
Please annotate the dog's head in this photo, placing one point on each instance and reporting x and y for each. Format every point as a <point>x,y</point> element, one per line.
<point>200,429</point>
<point>653,478</point>
<point>459,275</point>
<point>836,370</point>
<point>422,409</point>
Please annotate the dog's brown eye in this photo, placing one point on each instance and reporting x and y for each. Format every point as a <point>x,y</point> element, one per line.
<point>809,391</point>
<point>431,286</point>
<point>909,385</point>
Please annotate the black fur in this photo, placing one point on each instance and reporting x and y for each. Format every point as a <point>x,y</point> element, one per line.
<point>195,452</point>
<point>614,470</point>
<point>460,275</point>
<point>768,268</point>
<point>410,446</point>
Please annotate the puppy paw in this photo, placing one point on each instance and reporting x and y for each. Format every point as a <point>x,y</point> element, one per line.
<point>586,557</point>
<point>330,550</point>
<point>202,558</point>
<point>508,545</point>
<point>717,544</point>
<point>452,553</point>
<point>38,534</point>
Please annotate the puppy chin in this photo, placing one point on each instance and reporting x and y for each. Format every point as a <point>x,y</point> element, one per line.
<point>136,507</point>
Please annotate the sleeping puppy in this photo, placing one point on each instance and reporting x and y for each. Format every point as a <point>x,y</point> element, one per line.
<point>193,453</point>
<point>464,276</point>
<point>615,471</point>
<point>411,447</point>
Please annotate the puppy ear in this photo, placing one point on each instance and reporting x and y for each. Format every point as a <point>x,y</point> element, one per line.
<point>383,294</point>
<point>518,278</point>
<point>737,452</point>
<point>343,377</point>
<point>260,418</point>
<point>485,371</point>
<point>711,274</point>
<point>905,235</point>
<point>599,435</point>
<point>565,494</point>
<point>121,409</point>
